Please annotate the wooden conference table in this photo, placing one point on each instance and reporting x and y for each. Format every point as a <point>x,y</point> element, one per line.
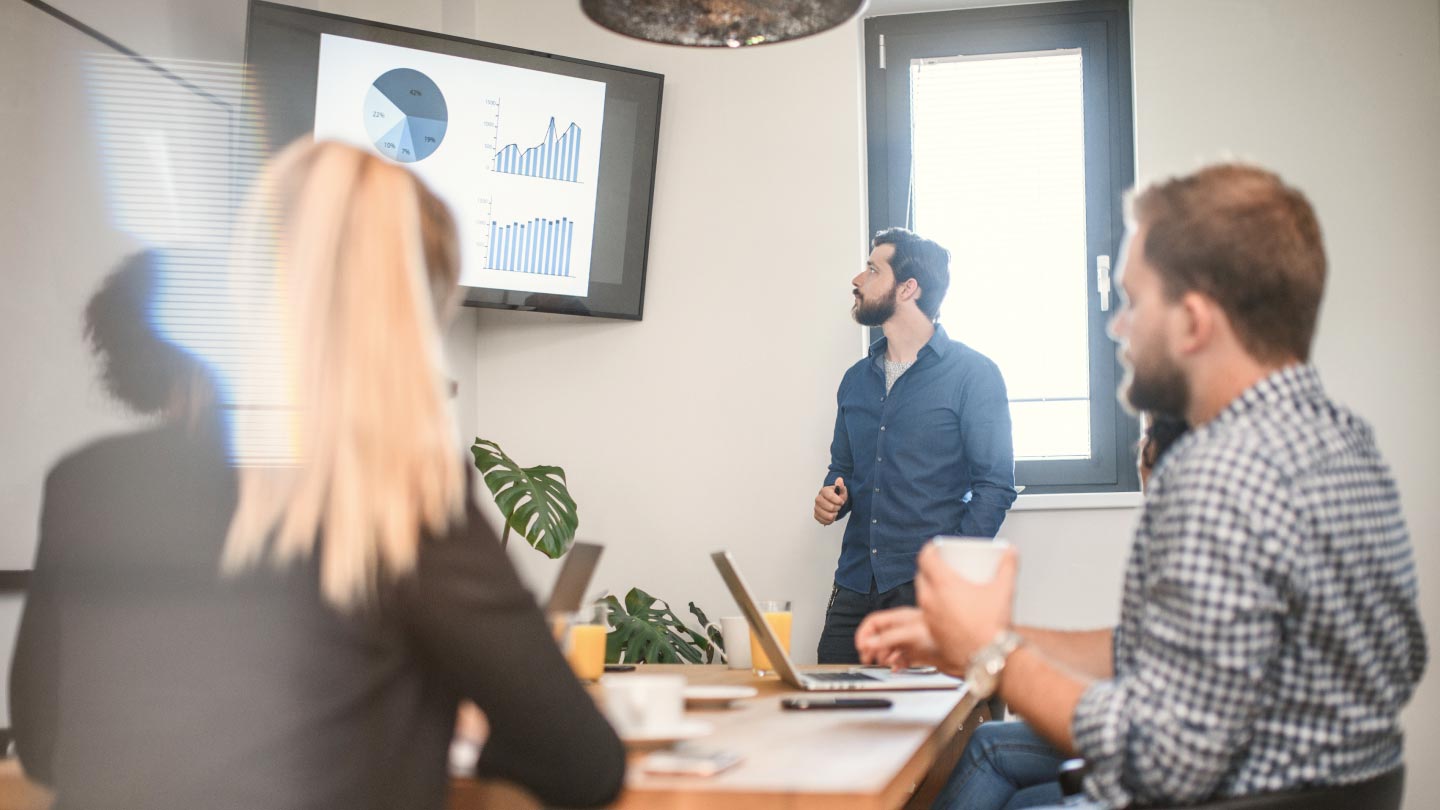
<point>882,759</point>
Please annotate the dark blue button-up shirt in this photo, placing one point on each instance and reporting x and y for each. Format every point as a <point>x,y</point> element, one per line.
<point>932,457</point>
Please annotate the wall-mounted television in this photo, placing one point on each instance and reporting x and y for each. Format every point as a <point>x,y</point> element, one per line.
<point>547,162</point>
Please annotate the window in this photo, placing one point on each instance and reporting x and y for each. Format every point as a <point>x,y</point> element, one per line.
<point>1004,134</point>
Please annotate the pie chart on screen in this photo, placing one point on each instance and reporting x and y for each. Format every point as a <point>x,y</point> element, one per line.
<point>405,115</point>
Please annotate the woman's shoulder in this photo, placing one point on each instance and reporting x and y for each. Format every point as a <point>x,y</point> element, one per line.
<point>124,459</point>
<point>465,563</point>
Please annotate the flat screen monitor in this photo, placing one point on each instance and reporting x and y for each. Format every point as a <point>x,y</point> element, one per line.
<point>548,163</point>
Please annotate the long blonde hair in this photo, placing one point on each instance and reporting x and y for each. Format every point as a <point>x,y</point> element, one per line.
<point>365,265</point>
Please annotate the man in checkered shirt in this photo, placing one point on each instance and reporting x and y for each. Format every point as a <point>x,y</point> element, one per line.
<point>1269,632</point>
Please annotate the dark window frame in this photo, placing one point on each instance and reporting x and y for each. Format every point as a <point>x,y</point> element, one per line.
<point>1101,29</point>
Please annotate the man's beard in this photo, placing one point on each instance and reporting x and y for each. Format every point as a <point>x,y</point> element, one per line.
<point>1160,388</point>
<point>874,313</point>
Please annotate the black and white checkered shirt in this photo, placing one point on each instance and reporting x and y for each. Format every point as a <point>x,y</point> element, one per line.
<point>1269,633</point>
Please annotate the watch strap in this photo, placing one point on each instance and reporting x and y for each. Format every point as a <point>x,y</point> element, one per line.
<point>991,659</point>
<point>1006,642</point>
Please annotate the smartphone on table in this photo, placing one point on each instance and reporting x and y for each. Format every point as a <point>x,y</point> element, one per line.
<point>806,704</point>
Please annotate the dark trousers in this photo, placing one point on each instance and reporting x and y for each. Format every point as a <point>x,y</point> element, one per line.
<point>847,609</point>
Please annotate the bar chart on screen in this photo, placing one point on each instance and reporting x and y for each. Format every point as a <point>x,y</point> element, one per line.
<point>552,159</point>
<point>539,247</point>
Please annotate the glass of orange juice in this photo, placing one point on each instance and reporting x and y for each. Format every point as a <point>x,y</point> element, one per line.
<point>777,615</point>
<point>585,647</point>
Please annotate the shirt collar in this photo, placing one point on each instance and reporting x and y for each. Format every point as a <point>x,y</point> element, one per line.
<point>1294,383</point>
<point>939,343</point>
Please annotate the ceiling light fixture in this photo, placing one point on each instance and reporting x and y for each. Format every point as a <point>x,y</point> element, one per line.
<point>720,23</point>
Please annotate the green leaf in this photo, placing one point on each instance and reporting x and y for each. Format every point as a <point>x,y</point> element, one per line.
<point>534,500</point>
<point>647,631</point>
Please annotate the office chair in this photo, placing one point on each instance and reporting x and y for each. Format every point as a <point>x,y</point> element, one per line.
<point>1383,792</point>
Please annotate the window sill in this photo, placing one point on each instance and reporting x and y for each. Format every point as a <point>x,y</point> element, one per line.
<point>1078,500</point>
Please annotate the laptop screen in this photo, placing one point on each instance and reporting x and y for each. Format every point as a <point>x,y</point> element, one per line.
<point>574,578</point>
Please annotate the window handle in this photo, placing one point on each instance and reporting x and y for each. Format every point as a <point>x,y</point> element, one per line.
<point>1102,281</point>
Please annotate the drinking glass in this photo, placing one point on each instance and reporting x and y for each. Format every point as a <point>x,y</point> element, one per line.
<point>777,616</point>
<point>585,647</point>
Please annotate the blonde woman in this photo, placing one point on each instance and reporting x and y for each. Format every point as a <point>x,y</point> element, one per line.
<point>299,634</point>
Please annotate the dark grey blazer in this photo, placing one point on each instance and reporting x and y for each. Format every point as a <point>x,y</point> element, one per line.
<point>142,679</point>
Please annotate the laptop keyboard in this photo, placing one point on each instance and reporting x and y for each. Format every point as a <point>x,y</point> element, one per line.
<point>831,677</point>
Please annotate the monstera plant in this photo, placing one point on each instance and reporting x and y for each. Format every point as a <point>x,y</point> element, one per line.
<point>646,630</point>
<point>534,500</point>
<point>536,503</point>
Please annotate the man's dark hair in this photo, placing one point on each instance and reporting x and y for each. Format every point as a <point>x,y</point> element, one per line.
<point>921,259</point>
<point>1161,433</point>
<point>1241,237</point>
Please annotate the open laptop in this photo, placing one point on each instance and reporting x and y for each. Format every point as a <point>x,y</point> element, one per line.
<point>817,681</point>
<point>574,578</point>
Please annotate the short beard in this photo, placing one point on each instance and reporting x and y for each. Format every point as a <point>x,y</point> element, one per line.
<point>1161,390</point>
<point>875,313</point>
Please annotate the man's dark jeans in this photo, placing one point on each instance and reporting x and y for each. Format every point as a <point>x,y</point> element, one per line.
<point>847,609</point>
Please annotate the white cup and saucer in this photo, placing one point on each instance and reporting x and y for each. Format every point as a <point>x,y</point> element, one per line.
<point>648,709</point>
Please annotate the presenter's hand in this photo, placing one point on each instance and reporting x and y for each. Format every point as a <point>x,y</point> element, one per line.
<point>829,501</point>
<point>961,615</point>
<point>896,638</point>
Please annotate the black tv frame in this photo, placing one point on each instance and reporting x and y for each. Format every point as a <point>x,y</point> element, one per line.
<point>624,300</point>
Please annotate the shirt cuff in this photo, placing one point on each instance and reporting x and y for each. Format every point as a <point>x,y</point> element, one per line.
<point>1099,732</point>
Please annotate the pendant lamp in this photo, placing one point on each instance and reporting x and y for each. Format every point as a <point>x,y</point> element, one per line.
<point>720,23</point>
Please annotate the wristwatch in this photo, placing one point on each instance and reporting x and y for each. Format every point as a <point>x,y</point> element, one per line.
<point>983,675</point>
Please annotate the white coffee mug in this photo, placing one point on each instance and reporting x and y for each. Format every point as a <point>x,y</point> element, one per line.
<point>974,558</point>
<point>737,641</point>
<point>643,703</point>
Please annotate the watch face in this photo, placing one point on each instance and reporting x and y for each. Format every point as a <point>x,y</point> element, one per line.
<point>981,681</point>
